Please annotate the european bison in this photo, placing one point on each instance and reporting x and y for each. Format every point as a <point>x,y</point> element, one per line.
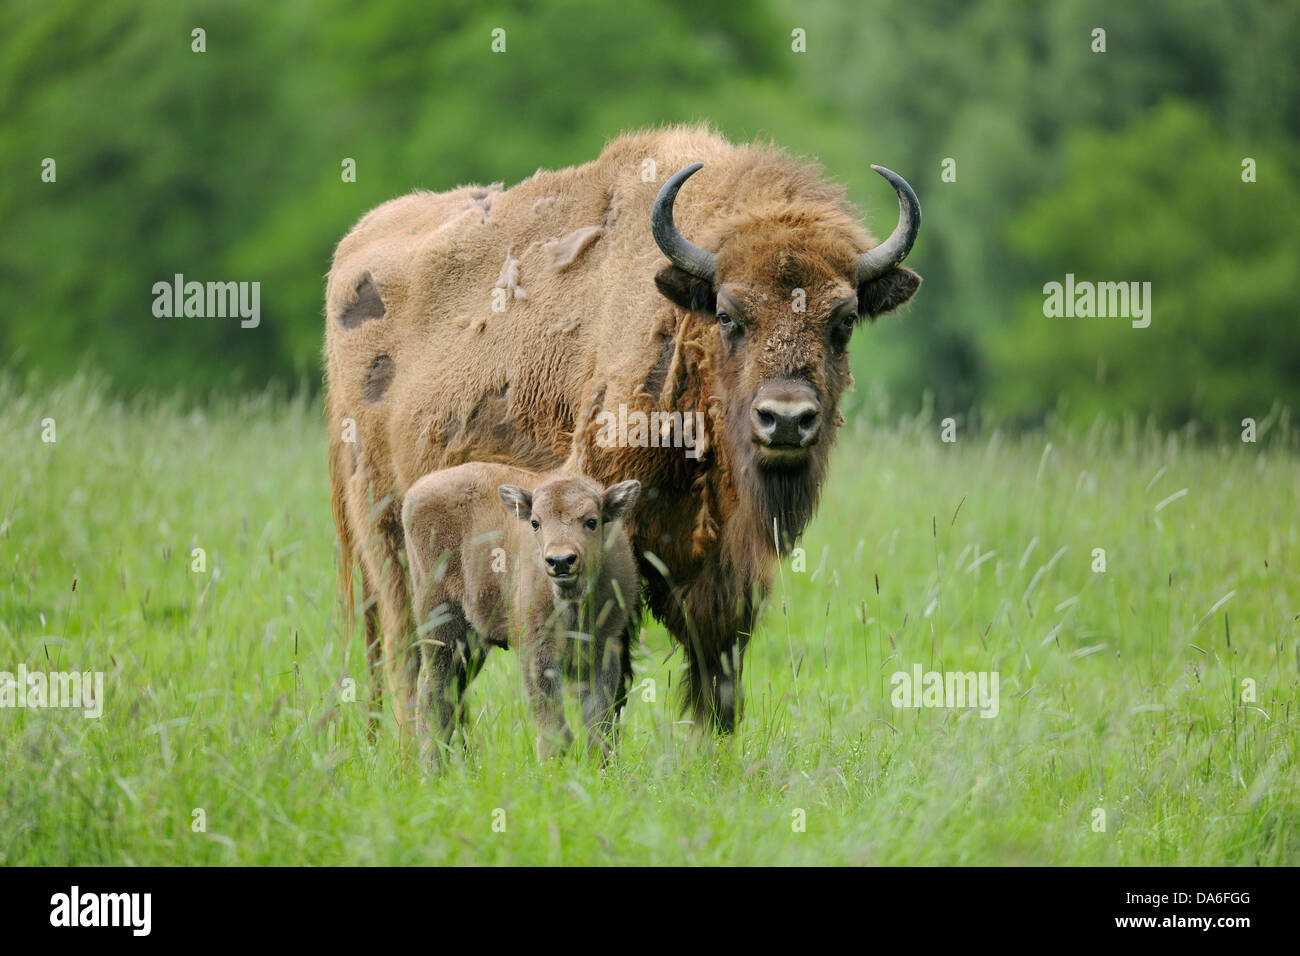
<point>515,325</point>
<point>553,573</point>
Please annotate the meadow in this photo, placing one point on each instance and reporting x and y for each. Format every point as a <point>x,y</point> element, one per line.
<point>1161,691</point>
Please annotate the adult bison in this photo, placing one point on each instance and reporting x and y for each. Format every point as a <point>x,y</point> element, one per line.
<point>489,325</point>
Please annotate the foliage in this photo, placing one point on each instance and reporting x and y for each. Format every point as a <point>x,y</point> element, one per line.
<point>1219,253</point>
<point>226,164</point>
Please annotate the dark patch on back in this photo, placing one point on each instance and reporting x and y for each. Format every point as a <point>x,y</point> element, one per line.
<point>491,416</point>
<point>654,382</point>
<point>368,304</point>
<point>491,433</point>
<point>378,377</point>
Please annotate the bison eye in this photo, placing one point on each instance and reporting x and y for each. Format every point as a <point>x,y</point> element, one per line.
<point>726,322</point>
<point>591,524</point>
<point>536,524</point>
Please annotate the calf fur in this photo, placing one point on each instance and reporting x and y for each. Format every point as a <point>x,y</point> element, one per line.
<point>500,556</point>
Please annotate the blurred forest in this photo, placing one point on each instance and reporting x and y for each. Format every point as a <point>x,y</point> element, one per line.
<point>1122,165</point>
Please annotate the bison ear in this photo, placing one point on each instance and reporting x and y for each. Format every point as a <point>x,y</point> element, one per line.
<point>518,501</point>
<point>619,499</point>
<point>888,292</point>
<point>686,291</point>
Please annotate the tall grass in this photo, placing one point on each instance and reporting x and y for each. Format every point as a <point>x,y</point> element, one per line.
<point>227,690</point>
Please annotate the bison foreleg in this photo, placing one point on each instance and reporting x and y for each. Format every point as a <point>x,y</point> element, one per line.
<point>713,689</point>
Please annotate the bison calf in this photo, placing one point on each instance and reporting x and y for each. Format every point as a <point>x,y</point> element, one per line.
<point>553,572</point>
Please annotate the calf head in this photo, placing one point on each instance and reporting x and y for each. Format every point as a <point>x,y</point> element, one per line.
<point>571,519</point>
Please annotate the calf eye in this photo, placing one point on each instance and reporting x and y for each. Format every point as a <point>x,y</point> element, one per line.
<point>536,524</point>
<point>591,524</point>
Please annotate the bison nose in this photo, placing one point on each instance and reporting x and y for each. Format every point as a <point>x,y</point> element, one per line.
<point>786,417</point>
<point>558,565</point>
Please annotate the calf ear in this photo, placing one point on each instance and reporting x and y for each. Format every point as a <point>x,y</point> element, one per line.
<point>685,291</point>
<point>888,292</point>
<point>619,499</point>
<point>518,501</point>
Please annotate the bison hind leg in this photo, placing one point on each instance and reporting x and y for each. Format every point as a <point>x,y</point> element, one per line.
<point>374,658</point>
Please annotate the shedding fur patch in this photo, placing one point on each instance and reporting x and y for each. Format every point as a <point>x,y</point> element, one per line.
<point>490,432</point>
<point>543,205</point>
<point>483,196</point>
<point>564,326</point>
<point>509,278</point>
<point>367,305</point>
<point>564,252</point>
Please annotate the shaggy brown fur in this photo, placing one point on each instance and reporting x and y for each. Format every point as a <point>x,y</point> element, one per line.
<point>441,378</point>
<point>503,557</point>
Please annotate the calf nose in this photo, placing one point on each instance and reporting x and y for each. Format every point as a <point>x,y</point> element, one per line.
<point>566,563</point>
<point>786,417</point>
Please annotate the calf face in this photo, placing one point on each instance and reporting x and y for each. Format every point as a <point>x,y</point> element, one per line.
<point>568,518</point>
<point>568,604</point>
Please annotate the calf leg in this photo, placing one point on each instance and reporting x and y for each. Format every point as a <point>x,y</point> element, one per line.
<point>602,691</point>
<point>450,656</point>
<point>544,682</point>
<point>475,656</point>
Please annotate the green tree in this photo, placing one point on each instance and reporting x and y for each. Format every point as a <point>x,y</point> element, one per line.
<point>1000,86</point>
<point>1161,201</point>
<point>226,164</point>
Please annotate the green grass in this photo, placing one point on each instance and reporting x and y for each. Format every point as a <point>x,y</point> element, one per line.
<point>1119,691</point>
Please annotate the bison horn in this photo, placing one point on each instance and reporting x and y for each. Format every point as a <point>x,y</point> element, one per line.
<point>876,262</point>
<point>683,253</point>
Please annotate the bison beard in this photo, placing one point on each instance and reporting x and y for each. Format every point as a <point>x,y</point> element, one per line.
<point>428,371</point>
